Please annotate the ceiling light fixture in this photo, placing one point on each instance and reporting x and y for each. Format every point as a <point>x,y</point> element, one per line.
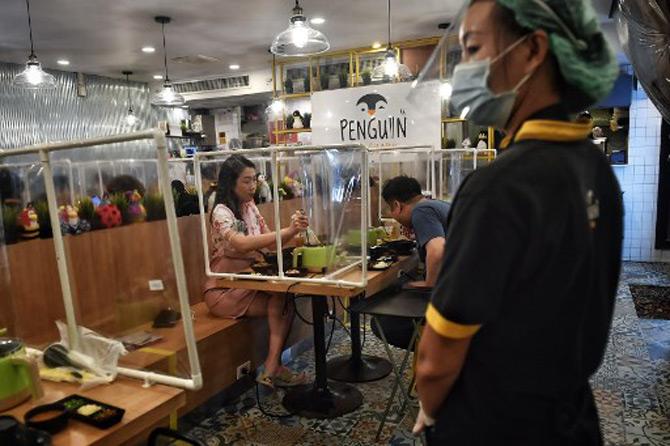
<point>391,69</point>
<point>148,49</point>
<point>158,77</point>
<point>33,77</point>
<point>234,66</point>
<point>299,39</point>
<point>167,96</point>
<point>317,21</point>
<point>130,119</point>
<point>376,45</point>
<point>63,62</point>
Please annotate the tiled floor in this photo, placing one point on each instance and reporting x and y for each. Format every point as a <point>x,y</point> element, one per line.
<point>632,389</point>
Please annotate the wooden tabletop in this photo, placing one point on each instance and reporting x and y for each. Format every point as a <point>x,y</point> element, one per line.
<point>144,408</point>
<point>377,281</point>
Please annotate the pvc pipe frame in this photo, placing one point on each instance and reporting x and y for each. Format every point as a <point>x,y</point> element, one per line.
<point>43,150</point>
<point>273,151</point>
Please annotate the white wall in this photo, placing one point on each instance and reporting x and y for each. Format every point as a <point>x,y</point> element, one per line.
<point>639,181</point>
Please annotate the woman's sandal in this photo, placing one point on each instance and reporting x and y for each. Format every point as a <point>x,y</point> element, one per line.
<point>285,378</point>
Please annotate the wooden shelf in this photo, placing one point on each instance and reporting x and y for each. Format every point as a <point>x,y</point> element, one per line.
<point>295,95</point>
<point>290,131</point>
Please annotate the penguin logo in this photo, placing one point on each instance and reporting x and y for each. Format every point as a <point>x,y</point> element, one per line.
<point>371,103</point>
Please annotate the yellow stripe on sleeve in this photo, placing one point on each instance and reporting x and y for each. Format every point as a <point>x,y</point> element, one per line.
<point>446,328</point>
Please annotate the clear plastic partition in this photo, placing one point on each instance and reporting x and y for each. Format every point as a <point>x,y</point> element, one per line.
<point>454,165</point>
<point>121,272</point>
<point>388,162</point>
<point>323,183</point>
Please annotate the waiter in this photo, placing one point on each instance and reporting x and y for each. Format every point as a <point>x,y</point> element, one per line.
<point>520,315</point>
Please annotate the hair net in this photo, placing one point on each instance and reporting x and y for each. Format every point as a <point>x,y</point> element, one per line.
<point>584,57</point>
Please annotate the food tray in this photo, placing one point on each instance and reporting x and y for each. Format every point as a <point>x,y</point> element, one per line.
<point>105,417</point>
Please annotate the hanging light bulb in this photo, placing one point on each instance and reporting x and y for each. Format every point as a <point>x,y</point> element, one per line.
<point>391,68</point>
<point>131,120</point>
<point>167,96</point>
<point>299,39</point>
<point>33,77</point>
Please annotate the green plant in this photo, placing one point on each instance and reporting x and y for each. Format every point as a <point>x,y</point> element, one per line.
<point>10,227</point>
<point>154,205</point>
<point>288,86</point>
<point>324,78</point>
<point>43,219</point>
<point>307,120</point>
<point>366,76</point>
<point>344,78</point>
<point>121,201</point>
<point>289,121</point>
<point>306,83</point>
<point>86,209</point>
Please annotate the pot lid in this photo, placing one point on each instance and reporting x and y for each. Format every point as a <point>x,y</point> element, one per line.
<point>9,346</point>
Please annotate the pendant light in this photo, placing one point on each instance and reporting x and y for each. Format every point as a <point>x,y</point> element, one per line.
<point>391,68</point>
<point>167,96</point>
<point>299,39</point>
<point>33,77</point>
<point>130,119</point>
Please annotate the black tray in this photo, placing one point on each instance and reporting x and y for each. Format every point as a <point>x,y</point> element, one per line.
<point>74,402</point>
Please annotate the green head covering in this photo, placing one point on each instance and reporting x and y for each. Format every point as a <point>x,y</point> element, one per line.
<point>584,57</point>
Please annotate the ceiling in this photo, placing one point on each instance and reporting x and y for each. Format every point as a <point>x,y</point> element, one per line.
<point>105,36</point>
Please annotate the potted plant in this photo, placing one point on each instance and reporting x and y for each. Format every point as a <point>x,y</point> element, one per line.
<point>306,85</point>
<point>42,211</point>
<point>288,86</point>
<point>9,216</point>
<point>366,76</point>
<point>344,78</point>
<point>324,78</point>
<point>289,121</point>
<point>154,205</point>
<point>333,79</point>
<point>307,120</point>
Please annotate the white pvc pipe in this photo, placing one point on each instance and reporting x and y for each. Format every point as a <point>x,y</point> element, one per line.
<point>177,257</point>
<point>61,258</point>
<point>193,383</point>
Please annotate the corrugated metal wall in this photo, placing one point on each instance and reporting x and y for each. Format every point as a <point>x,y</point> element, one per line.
<point>32,117</point>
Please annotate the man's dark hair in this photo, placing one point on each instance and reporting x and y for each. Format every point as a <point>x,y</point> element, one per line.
<point>123,184</point>
<point>402,188</point>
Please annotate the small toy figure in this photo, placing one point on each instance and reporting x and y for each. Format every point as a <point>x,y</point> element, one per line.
<point>264,192</point>
<point>297,120</point>
<point>109,215</point>
<point>27,220</point>
<point>135,208</point>
<point>482,138</point>
<point>466,144</point>
<point>70,223</point>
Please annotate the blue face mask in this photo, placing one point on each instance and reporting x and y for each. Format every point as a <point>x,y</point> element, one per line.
<point>471,97</point>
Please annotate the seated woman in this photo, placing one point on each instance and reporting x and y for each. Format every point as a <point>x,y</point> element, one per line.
<point>238,232</point>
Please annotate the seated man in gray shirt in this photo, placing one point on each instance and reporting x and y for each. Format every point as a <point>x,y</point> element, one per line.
<point>428,219</point>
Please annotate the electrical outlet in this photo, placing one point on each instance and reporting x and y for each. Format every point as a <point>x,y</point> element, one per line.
<point>243,369</point>
<point>156,285</point>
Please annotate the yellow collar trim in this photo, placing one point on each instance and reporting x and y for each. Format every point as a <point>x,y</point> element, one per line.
<point>549,130</point>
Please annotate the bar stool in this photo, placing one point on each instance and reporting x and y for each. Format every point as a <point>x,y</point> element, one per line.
<point>407,303</point>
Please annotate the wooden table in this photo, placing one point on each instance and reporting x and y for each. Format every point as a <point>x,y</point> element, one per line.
<point>323,399</point>
<point>144,408</point>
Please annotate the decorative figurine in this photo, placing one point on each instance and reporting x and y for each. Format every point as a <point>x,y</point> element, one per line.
<point>135,209</point>
<point>109,215</point>
<point>264,192</point>
<point>27,220</point>
<point>298,120</point>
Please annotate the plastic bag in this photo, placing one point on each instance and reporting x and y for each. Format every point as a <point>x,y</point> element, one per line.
<point>96,353</point>
<point>644,32</point>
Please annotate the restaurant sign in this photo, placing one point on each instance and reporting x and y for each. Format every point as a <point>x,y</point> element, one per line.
<point>377,115</point>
